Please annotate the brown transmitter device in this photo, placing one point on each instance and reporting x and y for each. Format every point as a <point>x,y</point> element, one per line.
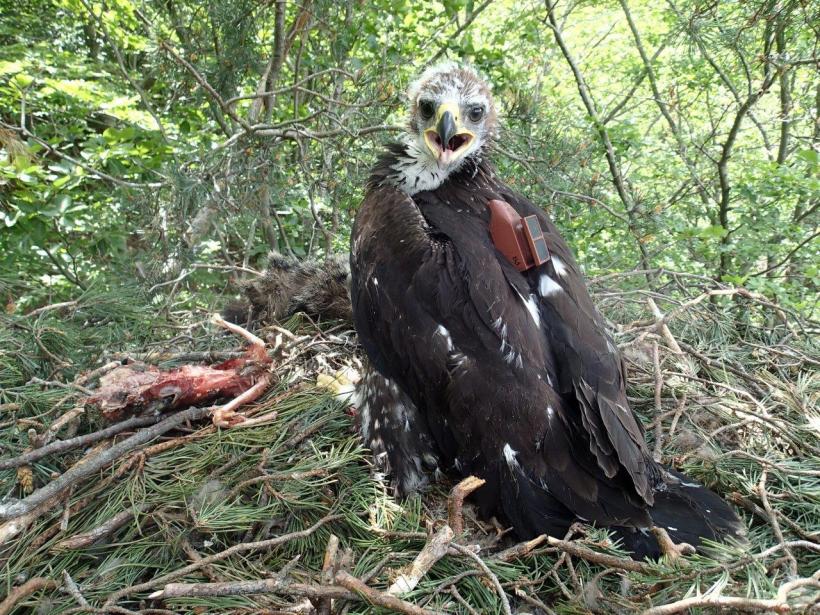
<point>519,239</point>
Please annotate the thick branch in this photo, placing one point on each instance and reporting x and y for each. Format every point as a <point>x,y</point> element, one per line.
<point>206,86</point>
<point>245,588</point>
<point>604,559</point>
<point>272,70</point>
<point>586,98</point>
<point>26,589</point>
<point>92,466</point>
<point>435,548</point>
<point>455,501</point>
<point>64,445</point>
<point>723,168</point>
<point>785,94</point>
<point>664,108</point>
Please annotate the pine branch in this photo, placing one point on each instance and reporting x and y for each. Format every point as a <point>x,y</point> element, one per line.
<point>62,446</point>
<point>92,466</point>
<point>378,598</point>
<point>26,589</point>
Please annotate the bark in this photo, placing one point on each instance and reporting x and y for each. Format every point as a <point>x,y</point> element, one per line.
<point>603,134</point>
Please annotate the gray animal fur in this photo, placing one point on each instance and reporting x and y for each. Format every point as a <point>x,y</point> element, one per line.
<point>319,288</point>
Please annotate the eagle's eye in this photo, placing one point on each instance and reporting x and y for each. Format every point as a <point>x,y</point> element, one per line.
<point>426,109</point>
<point>476,113</point>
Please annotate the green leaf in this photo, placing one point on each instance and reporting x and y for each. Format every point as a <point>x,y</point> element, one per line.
<point>712,232</point>
<point>61,181</point>
<point>7,67</point>
<point>22,80</point>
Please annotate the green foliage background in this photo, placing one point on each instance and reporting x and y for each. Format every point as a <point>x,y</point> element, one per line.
<point>140,177</point>
<point>119,164</point>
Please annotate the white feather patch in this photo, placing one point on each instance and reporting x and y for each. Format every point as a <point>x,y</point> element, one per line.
<point>532,308</point>
<point>611,347</point>
<point>510,456</point>
<point>559,266</point>
<point>547,286</point>
<point>443,332</point>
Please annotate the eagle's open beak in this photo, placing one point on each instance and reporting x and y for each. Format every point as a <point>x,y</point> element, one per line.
<point>448,141</point>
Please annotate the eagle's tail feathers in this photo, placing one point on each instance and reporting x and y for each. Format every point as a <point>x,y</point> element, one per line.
<point>690,513</point>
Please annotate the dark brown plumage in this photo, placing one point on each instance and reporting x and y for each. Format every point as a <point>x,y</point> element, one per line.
<point>477,368</point>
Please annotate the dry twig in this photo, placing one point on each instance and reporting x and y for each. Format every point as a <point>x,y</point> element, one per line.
<point>245,588</point>
<point>604,559</point>
<point>329,567</point>
<point>70,586</point>
<point>78,472</point>
<point>435,548</point>
<point>378,598</point>
<point>236,549</point>
<point>778,533</point>
<point>64,445</point>
<point>502,595</point>
<point>520,550</point>
<point>26,589</point>
<point>78,541</point>
<point>455,502</point>
<point>778,604</point>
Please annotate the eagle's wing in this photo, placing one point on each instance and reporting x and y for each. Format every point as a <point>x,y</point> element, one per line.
<point>394,260</point>
<point>590,370</point>
<point>413,297</point>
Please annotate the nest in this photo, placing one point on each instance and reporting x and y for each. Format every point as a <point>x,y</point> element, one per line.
<point>284,514</point>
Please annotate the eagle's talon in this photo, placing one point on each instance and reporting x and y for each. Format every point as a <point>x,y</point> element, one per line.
<point>499,528</point>
<point>669,547</point>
